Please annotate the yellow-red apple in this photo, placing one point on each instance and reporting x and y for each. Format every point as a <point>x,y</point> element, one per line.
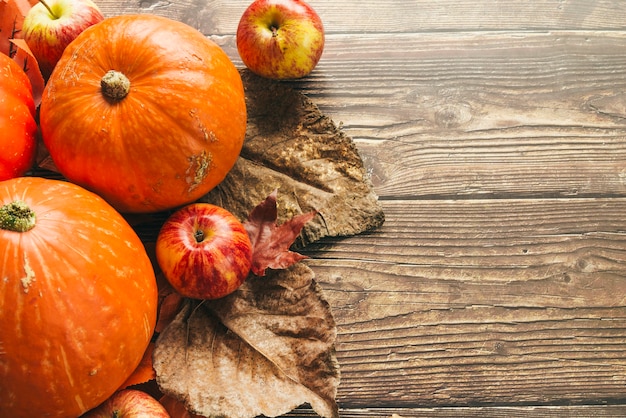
<point>129,403</point>
<point>50,25</point>
<point>280,39</point>
<point>204,251</point>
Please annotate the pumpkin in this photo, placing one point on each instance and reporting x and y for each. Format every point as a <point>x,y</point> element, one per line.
<point>78,299</point>
<point>17,120</point>
<point>145,111</point>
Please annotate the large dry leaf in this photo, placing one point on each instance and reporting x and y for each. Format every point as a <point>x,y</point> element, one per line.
<point>263,350</point>
<point>292,146</point>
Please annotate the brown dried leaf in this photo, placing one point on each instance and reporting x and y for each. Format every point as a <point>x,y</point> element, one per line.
<point>263,350</point>
<point>291,146</point>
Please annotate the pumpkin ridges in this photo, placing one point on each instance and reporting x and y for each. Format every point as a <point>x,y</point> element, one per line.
<point>91,334</point>
<point>19,85</point>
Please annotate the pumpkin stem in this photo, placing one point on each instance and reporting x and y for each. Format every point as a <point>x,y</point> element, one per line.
<point>115,85</point>
<point>17,216</point>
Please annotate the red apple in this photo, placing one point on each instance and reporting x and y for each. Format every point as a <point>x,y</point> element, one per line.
<point>280,39</point>
<point>129,403</point>
<point>204,251</point>
<point>50,25</point>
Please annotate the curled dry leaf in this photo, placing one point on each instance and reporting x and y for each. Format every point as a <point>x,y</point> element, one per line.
<point>263,350</point>
<point>292,146</point>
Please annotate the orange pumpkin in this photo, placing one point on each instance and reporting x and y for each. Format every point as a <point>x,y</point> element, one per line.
<point>17,120</point>
<point>145,111</point>
<point>78,299</point>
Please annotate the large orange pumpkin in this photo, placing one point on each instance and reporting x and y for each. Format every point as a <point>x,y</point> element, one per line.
<point>78,299</point>
<point>145,111</point>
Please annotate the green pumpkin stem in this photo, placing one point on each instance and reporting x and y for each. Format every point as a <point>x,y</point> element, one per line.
<point>115,85</point>
<point>17,216</point>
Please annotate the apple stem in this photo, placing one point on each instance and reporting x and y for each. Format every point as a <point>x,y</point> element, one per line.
<point>49,9</point>
<point>199,235</point>
<point>115,85</point>
<point>274,30</point>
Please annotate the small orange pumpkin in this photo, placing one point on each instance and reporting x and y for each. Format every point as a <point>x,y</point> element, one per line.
<point>145,111</point>
<point>78,299</point>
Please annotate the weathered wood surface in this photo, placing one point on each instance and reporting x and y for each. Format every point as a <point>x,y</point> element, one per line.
<point>495,135</point>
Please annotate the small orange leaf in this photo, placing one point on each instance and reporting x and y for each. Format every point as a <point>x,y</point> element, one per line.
<point>27,61</point>
<point>175,408</point>
<point>170,306</point>
<point>12,14</point>
<point>144,372</point>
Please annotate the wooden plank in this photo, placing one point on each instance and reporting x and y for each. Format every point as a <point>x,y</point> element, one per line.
<point>478,302</point>
<point>220,17</point>
<point>566,411</point>
<point>496,115</point>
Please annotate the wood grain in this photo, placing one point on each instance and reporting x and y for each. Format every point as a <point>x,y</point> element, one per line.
<point>483,301</point>
<point>564,411</point>
<point>498,115</point>
<point>221,17</point>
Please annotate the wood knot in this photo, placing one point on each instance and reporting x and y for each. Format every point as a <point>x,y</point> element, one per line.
<point>500,348</point>
<point>453,115</point>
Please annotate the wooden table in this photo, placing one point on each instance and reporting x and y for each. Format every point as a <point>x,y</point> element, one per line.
<point>495,136</point>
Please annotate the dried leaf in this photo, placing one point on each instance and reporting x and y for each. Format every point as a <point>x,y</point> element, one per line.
<point>263,350</point>
<point>25,57</point>
<point>291,146</point>
<point>170,303</point>
<point>12,14</point>
<point>270,243</point>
